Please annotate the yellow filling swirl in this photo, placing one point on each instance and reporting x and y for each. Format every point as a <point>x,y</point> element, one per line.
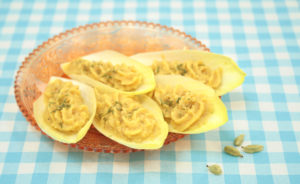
<point>193,69</point>
<point>65,110</point>
<point>125,117</point>
<point>181,108</point>
<point>120,76</point>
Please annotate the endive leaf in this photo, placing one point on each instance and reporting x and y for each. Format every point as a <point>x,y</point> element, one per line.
<point>232,75</point>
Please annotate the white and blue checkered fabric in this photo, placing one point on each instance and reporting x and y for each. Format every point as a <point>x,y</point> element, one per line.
<point>262,36</point>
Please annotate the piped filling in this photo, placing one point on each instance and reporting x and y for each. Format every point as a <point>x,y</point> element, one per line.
<point>193,69</point>
<point>120,76</point>
<point>181,108</point>
<point>125,117</point>
<point>65,109</point>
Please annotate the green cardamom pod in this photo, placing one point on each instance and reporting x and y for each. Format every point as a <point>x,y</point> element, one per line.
<point>215,169</point>
<point>239,140</point>
<point>253,148</point>
<point>232,151</point>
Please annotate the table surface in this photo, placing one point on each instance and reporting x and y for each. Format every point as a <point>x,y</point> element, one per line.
<point>264,39</point>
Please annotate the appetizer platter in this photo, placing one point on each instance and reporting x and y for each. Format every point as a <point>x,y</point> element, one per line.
<point>124,86</point>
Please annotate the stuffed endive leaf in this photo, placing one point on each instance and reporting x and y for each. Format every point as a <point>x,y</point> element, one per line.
<point>189,106</point>
<point>66,109</point>
<point>134,121</point>
<point>217,71</point>
<point>111,70</point>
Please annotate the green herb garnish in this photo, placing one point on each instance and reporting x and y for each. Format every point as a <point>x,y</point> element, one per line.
<point>157,69</point>
<point>178,99</point>
<point>181,70</point>
<point>168,102</point>
<point>110,110</point>
<point>99,116</point>
<point>64,104</point>
<point>107,75</point>
<point>86,68</point>
<point>118,106</point>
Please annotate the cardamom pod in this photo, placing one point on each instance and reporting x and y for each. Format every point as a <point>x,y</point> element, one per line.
<point>253,148</point>
<point>232,151</point>
<point>239,140</point>
<point>215,169</point>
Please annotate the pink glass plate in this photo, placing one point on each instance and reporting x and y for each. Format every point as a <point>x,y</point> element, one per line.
<point>127,37</point>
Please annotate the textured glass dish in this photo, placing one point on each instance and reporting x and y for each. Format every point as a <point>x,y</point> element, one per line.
<point>127,37</point>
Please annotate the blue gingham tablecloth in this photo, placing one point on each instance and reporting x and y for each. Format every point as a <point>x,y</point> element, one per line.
<point>262,36</point>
